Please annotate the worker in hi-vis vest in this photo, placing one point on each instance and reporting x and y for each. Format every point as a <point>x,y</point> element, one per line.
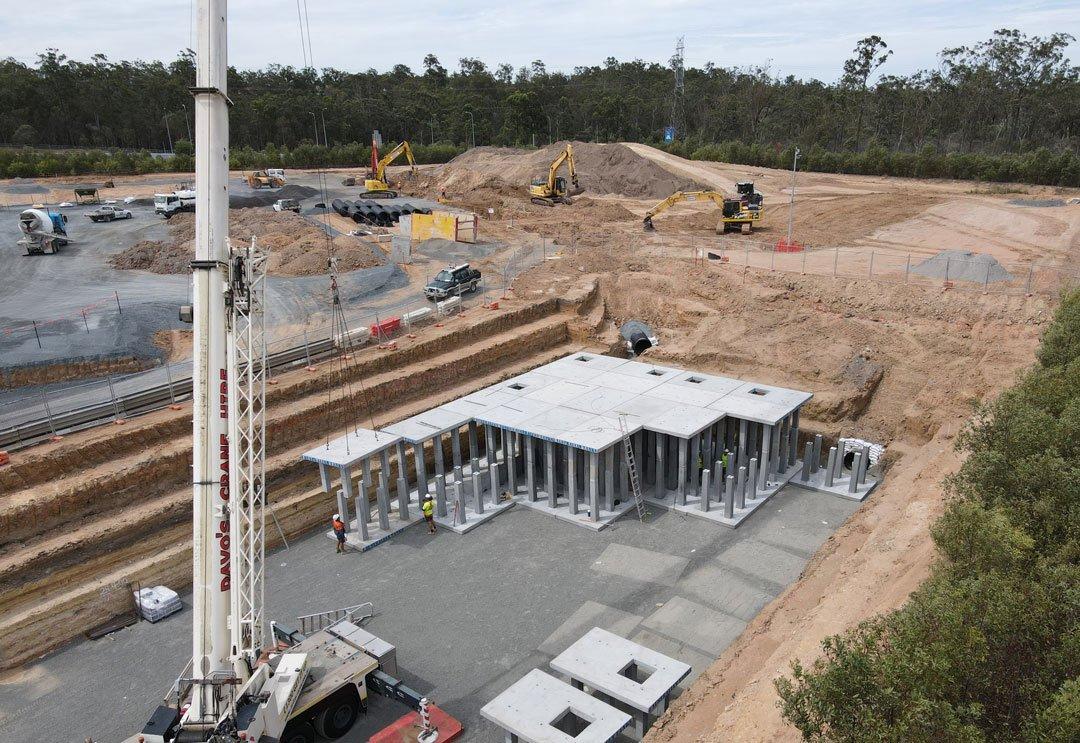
<point>339,531</point>
<point>428,507</point>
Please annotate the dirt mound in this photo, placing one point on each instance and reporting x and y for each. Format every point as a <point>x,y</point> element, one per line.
<point>297,247</point>
<point>602,169</point>
<point>267,198</point>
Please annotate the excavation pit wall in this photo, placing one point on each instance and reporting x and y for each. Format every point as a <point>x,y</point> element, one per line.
<point>47,511</point>
<point>299,506</point>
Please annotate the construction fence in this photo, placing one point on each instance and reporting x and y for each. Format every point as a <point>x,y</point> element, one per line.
<point>956,270</point>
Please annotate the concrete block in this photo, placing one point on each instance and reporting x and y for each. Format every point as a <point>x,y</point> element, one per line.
<point>694,624</point>
<point>417,316</point>
<point>448,306</point>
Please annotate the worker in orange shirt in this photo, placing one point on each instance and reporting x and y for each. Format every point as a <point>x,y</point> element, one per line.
<point>339,532</point>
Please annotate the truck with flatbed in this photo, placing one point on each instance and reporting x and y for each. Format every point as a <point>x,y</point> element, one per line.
<point>168,204</point>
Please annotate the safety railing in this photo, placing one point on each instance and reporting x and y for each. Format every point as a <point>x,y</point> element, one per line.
<point>311,623</point>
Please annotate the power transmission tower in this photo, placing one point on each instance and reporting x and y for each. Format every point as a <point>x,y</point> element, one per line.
<point>678,103</point>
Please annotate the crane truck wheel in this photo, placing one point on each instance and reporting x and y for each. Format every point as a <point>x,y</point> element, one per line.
<point>338,714</point>
<point>298,731</point>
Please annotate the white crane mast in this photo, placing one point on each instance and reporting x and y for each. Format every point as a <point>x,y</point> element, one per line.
<point>213,533</point>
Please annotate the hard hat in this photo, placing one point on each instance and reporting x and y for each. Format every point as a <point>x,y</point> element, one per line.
<point>427,497</point>
<point>337,516</point>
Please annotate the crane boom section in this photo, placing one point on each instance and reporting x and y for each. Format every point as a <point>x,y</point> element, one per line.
<point>675,198</point>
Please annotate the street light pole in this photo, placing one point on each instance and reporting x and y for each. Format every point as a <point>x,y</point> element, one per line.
<point>472,128</point>
<point>316,122</point>
<point>791,206</point>
<point>168,131</point>
<point>187,123</point>
<point>325,141</point>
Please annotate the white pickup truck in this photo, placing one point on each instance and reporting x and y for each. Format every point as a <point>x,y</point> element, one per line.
<point>108,213</point>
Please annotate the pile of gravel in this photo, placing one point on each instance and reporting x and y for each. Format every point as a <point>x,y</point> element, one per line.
<point>267,198</point>
<point>1037,202</point>
<point>961,265</point>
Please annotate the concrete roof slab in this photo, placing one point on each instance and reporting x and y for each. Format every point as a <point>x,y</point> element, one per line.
<point>683,420</point>
<point>560,391</point>
<point>524,384</point>
<point>599,658</point>
<point>530,706</point>
<point>648,371</point>
<point>710,382</point>
<point>513,414</point>
<point>346,451</point>
<point>567,368</point>
<point>600,400</point>
<point>595,360</point>
<point>629,383</point>
<point>781,396</point>
<point>684,394</point>
<point>746,408</point>
<point>430,423</point>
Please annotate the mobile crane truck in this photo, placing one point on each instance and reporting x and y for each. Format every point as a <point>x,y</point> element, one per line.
<point>244,683</point>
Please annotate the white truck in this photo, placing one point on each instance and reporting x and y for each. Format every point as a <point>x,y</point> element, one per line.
<point>108,213</point>
<point>168,204</point>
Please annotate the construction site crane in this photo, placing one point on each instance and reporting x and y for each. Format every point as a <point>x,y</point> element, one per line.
<point>245,682</point>
<point>735,213</point>
<point>376,186</point>
<point>553,189</point>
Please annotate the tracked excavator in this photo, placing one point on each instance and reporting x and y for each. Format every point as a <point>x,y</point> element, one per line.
<point>736,213</point>
<point>554,190</point>
<point>376,186</point>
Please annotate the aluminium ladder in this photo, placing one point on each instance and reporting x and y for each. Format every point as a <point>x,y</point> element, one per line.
<point>631,467</point>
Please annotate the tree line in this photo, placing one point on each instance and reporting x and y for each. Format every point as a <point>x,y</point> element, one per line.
<point>988,648</point>
<point>1003,108</point>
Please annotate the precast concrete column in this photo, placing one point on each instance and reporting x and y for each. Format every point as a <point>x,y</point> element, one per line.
<point>673,462</point>
<point>752,480</point>
<point>680,485</point>
<point>459,477</point>
<point>782,449</point>
<point>324,475</point>
<point>512,462</point>
<point>740,485</point>
<point>530,468</point>
<point>830,469</point>
<point>549,469</point>
<point>363,511</point>
<point>403,474</point>
<point>775,453</point>
<point>707,455</point>
<point>856,467</point>
<point>729,503</point>
<point>506,446</point>
<point>440,476</point>
<point>493,465</point>
<point>365,483</point>
<point>794,437</point>
<point>474,447</point>
<point>865,464</point>
<point>764,464</point>
<point>571,482</point>
<point>478,495</point>
<point>459,500</point>
<point>619,452</point>
<point>609,478</point>
<point>455,447</point>
<point>342,503</point>
<point>695,452</point>
<point>729,488</point>
<point>660,469</point>
<point>703,504</point>
<point>718,468</point>
<point>815,455</point>
<point>421,470</point>
<point>594,485</point>
<point>384,490</point>
<point>804,473</point>
<point>838,465</point>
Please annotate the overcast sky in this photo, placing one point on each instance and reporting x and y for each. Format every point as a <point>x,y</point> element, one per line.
<point>806,38</point>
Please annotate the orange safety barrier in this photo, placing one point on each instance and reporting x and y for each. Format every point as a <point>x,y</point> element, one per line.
<point>783,246</point>
<point>385,328</point>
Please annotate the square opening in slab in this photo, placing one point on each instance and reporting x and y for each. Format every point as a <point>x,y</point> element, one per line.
<point>759,391</point>
<point>656,372</point>
<point>694,380</point>
<point>570,723</point>
<point>637,671</point>
<point>582,358</point>
<point>517,386</point>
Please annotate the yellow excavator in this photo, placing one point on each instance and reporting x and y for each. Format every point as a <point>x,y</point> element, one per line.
<point>376,186</point>
<point>553,190</point>
<point>735,213</point>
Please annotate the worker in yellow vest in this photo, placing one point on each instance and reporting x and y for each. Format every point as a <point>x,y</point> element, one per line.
<point>428,507</point>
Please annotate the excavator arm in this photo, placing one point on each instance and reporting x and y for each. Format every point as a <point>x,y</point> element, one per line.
<point>675,198</point>
<point>389,157</point>
<point>566,156</point>
<point>554,190</point>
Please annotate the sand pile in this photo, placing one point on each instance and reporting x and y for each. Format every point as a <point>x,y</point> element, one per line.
<point>297,247</point>
<point>602,169</point>
<point>960,265</point>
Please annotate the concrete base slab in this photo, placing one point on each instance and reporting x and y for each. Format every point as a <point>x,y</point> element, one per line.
<point>694,624</point>
<point>582,518</point>
<point>377,536</point>
<point>639,564</point>
<point>716,508</point>
<point>472,519</point>
<point>697,660</point>
<point>588,615</point>
<point>839,487</point>
<point>763,561</point>
<point>723,590</point>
